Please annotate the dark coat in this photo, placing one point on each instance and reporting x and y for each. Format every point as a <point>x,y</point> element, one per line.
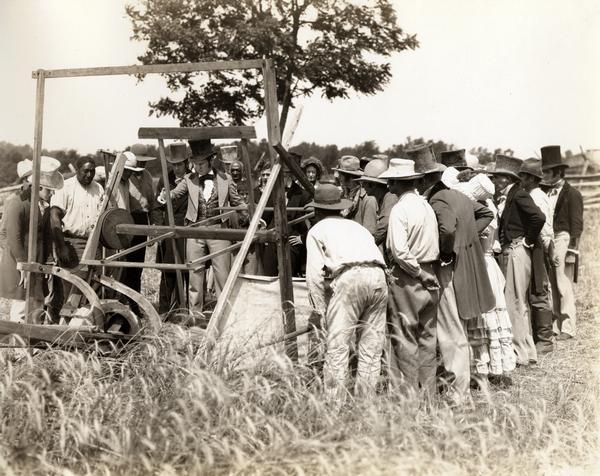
<point>568,214</point>
<point>521,217</point>
<point>460,221</point>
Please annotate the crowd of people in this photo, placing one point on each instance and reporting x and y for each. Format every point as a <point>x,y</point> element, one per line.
<point>442,269</point>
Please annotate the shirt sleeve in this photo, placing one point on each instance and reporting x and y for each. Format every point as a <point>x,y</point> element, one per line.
<point>370,215</point>
<point>315,279</point>
<point>59,199</point>
<point>180,190</point>
<point>397,244</point>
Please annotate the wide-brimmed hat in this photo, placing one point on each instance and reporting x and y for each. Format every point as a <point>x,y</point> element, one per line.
<point>454,158</point>
<point>506,165</point>
<point>315,162</point>
<point>348,164</point>
<point>478,188</point>
<point>202,149</point>
<point>178,152</point>
<point>424,159</point>
<point>47,164</point>
<point>373,170</point>
<point>131,162</point>
<point>552,158</point>
<point>53,180</point>
<point>532,167</point>
<point>141,152</point>
<point>329,197</point>
<point>400,169</point>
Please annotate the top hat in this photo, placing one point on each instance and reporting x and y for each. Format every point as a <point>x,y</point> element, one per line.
<point>373,170</point>
<point>177,152</point>
<point>506,165</point>
<point>478,188</point>
<point>401,169</point>
<point>532,167</point>
<point>131,162</point>
<point>424,159</point>
<point>454,158</point>
<point>348,164</point>
<point>201,149</point>
<point>551,157</point>
<point>141,152</point>
<point>329,197</point>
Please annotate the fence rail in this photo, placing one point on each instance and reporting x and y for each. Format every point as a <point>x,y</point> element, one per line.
<point>589,186</point>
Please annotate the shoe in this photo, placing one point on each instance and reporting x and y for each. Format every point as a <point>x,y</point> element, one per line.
<point>564,336</point>
<point>544,348</point>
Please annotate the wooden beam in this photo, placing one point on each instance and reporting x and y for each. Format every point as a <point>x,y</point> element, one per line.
<point>215,325</point>
<point>284,264</point>
<point>171,219</point>
<point>267,209</point>
<point>135,264</point>
<point>197,133</point>
<point>295,169</point>
<point>199,262</point>
<point>230,234</point>
<point>139,246</point>
<point>249,179</point>
<point>32,245</point>
<point>150,69</point>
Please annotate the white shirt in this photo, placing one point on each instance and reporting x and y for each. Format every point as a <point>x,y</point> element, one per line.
<point>553,194</point>
<point>412,236</point>
<point>81,206</point>
<point>330,244</point>
<point>543,203</point>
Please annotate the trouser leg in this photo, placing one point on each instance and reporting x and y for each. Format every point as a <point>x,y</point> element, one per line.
<point>565,313</point>
<point>221,264</point>
<point>518,278</point>
<point>196,248</point>
<point>452,338</point>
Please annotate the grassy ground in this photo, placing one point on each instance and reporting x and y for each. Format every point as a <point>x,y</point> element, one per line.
<point>166,408</point>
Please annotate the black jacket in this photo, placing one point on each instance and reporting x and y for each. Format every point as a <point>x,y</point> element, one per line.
<point>568,214</point>
<point>521,217</point>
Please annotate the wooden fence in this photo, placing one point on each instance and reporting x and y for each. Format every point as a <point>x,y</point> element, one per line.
<point>589,186</point>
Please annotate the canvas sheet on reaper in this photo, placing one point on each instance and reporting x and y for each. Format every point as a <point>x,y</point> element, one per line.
<point>255,318</point>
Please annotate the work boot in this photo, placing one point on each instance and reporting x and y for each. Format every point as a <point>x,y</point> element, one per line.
<point>541,321</point>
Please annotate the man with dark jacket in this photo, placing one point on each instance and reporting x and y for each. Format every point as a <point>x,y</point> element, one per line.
<point>567,206</point>
<point>520,224</point>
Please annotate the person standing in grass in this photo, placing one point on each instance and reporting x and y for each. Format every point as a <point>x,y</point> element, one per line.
<point>345,275</point>
<point>566,204</point>
<point>412,246</point>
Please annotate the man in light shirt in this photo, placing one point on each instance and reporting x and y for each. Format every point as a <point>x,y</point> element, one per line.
<point>80,199</point>
<point>542,258</point>
<point>348,290</point>
<point>412,246</point>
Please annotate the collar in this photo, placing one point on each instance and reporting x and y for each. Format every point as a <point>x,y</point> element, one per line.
<point>507,189</point>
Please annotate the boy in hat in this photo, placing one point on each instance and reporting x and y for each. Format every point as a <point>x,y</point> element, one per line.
<point>363,208</point>
<point>412,246</point>
<point>520,224</point>
<point>347,288</point>
<point>542,259</point>
<point>207,189</point>
<point>566,204</point>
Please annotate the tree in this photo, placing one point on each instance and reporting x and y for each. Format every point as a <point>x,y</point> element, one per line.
<point>333,46</point>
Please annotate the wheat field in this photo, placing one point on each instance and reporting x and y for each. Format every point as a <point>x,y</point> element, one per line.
<point>168,407</point>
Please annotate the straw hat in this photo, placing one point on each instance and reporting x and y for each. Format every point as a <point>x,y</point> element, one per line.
<point>348,164</point>
<point>329,197</point>
<point>177,152</point>
<point>47,164</point>
<point>552,158</point>
<point>52,180</point>
<point>532,167</point>
<point>400,169</point>
<point>373,170</point>
<point>229,153</point>
<point>131,162</point>
<point>141,152</point>
<point>424,159</point>
<point>506,165</point>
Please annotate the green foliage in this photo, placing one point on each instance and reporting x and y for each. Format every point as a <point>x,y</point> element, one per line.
<point>333,46</point>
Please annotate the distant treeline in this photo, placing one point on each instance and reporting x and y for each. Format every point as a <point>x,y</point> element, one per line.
<point>329,154</point>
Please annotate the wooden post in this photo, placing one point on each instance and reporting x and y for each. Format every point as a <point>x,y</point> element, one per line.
<point>171,218</point>
<point>248,172</point>
<point>284,263</point>
<point>35,189</point>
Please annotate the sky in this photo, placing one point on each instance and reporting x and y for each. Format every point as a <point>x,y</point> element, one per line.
<point>516,74</point>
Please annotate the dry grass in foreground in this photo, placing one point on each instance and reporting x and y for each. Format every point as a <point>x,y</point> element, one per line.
<point>160,409</point>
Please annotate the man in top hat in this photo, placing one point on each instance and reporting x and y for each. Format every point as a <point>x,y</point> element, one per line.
<point>378,188</point>
<point>363,208</point>
<point>80,199</point>
<point>207,189</point>
<point>347,288</point>
<point>542,259</point>
<point>455,158</point>
<point>412,247</point>
<point>566,203</point>
<point>178,162</point>
<point>426,165</point>
<point>520,224</point>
